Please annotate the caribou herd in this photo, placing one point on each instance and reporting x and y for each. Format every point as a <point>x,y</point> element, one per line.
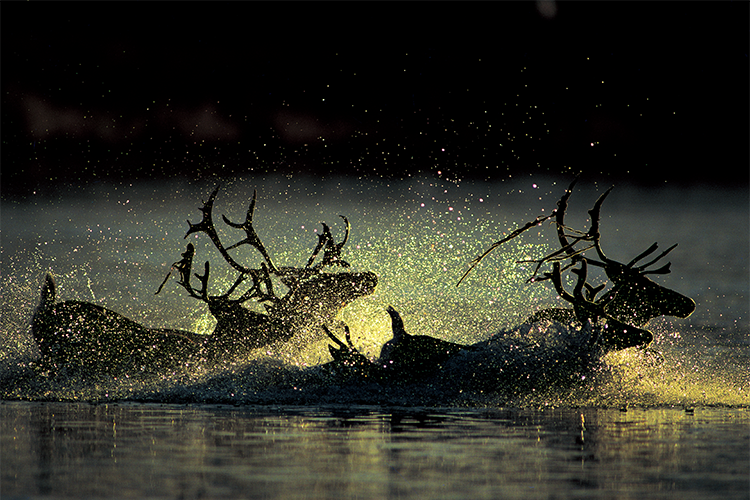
<point>76,335</point>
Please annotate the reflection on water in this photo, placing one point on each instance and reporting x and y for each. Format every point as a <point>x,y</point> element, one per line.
<point>64,450</point>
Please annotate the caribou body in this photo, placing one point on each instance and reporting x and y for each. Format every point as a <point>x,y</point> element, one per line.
<point>608,318</point>
<point>84,336</point>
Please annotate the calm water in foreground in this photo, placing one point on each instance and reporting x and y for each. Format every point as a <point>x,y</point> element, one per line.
<point>65,450</point>
<point>643,425</point>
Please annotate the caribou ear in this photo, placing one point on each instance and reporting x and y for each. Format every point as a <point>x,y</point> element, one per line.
<point>49,292</point>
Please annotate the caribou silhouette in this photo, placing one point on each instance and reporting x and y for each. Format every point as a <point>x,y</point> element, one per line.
<point>79,335</point>
<point>613,321</point>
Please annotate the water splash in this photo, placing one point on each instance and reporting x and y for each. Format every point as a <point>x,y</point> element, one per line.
<point>417,235</point>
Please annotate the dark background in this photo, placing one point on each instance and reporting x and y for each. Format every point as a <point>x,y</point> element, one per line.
<point>648,92</point>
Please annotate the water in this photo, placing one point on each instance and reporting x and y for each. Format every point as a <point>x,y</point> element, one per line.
<point>208,451</point>
<point>285,433</point>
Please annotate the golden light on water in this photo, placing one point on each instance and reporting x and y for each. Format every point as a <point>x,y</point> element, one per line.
<point>417,236</point>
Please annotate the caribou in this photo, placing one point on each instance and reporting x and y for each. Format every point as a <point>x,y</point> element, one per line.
<point>76,335</point>
<point>613,319</point>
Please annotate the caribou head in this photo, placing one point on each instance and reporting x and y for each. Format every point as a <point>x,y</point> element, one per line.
<point>83,336</point>
<point>313,296</point>
<point>629,304</point>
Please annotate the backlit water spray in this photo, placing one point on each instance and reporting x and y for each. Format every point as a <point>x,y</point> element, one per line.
<point>112,245</point>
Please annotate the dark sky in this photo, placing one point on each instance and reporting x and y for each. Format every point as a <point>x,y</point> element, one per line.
<point>651,92</point>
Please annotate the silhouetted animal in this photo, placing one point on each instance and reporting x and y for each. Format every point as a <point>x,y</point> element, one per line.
<point>80,335</point>
<point>84,336</point>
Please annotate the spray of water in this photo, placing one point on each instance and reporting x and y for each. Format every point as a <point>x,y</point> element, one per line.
<point>416,235</point>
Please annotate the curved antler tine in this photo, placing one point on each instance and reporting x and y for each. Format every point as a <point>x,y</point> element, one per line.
<point>646,252</point>
<point>332,251</point>
<point>206,224</point>
<point>593,291</point>
<point>594,230</point>
<point>582,276</point>
<point>557,281</point>
<point>322,240</point>
<point>327,236</point>
<point>348,336</point>
<point>562,207</point>
<point>665,269</point>
<point>569,191</point>
<point>252,237</point>
<point>203,278</point>
<point>662,270</point>
<point>248,216</point>
<point>251,208</point>
<point>346,234</point>
<point>237,282</point>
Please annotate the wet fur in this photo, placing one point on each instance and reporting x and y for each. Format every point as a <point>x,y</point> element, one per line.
<point>407,358</point>
<point>81,336</point>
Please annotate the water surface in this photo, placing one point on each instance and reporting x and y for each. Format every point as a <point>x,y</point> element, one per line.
<point>63,450</point>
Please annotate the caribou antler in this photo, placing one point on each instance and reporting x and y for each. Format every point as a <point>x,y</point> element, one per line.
<point>206,225</point>
<point>312,297</point>
<point>633,298</point>
<point>262,288</point>
<point>260,277</point>
<point>184,268</point>
<point>348,361</point>
<point>331,251</point>
<point>567,250</point>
